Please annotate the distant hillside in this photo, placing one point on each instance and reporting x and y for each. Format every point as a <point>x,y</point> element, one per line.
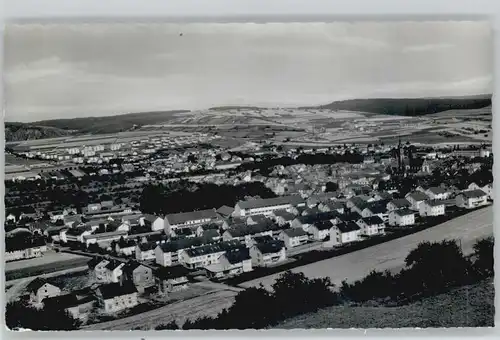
<point>469,306</point>
<point>223,108</point>
<point>20,131</point>
<point>110,124</point>
<point>408,107</point>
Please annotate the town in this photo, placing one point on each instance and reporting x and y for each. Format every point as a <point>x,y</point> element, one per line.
<point>100,226</point>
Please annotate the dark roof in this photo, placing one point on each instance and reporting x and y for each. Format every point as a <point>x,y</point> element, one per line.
<point>225,210</point>
<point>132,265</point>
<point>184,232</point>
<point>34,285</point>
<point>259,218</point>
<point>113,264</point>
<point>210,234</point>
<point>400,203</point>
<point>270,247</point>
<point>66,301</point>
<point>418,196</point>
<point>323,225</point>
<point>94,262</point>
<point>173,272</point>
<point>358,202</point>
<point>181,218</point>
<point>237,255</point>
<point>473,193</point>
<point>353,216</point>
<point>269,202</point>
<point>404,212</point>
<point>437,190</point>
<point>214,248</point>
<point>434,203</point>
<point>284,214</point>
<point>377,207</point>
<point>263,239</point>
<point>335,205</point>
<point>385,195</point>
<point>295,232</point>
<point>150,218</point>
<point>373,220</point>
<point>251,229</point>
<point>112,290</point>
<point>310,219</point>
<point>179,244</point>
<point>147,246</point>
<point>212,226</point>
<point>348,227</point>
<point>78,230</point>
<point>124,243</point>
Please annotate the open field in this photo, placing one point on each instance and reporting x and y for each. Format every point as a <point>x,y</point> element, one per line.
<point>206,305</point>
<point>50,262</point>
<point>390,255</point>
<point>470,306</point>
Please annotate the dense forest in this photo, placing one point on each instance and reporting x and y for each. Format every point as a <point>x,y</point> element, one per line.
<point>408,106</point>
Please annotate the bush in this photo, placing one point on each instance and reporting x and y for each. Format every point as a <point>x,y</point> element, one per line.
<point>483,257</point>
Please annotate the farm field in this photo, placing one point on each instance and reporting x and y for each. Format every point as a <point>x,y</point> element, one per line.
<point>469,306</point>
<point>206,305</point>
<point>49,262</point>
<point>390,255</point>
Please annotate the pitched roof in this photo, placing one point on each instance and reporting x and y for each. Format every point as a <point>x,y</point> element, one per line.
<point>295,232</point>
<point>132,265</point>
<point>346,227</point>
<point>34,285</point>
<point>77,231</point>
<point>147,246</point>
<point>181,218</point>
<point>270,247</point>
<point>237,255</point>
<point>434,203</point>
<point>214,248</point>
<point>225,210</point>
<point>179,244</point>
<point>323,225</point>
<point>400,203</point>
<point>436,190</point>
<point>173,272</point>
<point>270,202</point>
<point>373,220</point>
<point>473,193</point>
<point>94,262</point>
<point>66,301</point>
<point>417,196</point>
<point>310,219</point>
<point>112,290</point>
<point>150,218</point>
<point>385,195</point>
<point>377,207</point>
<point>113,264</point>
<point>404,212</point>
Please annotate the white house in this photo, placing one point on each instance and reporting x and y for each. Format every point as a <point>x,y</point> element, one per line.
<point>370,226</point>
<point>115,297</point>
<point>154,222</point>
<point>437,193</point>
<point>189,219</point>
<point>208,254</point>
<point>471,199</point>
<point>167,254</point>
<point>343,233</point>
<point>268,253</point>
<point>416,198</point>
<point>320,229</point>
<point>40,289</point>
<point>293,237</point>
<point>432,208</point>
<point>487,189</point>
<point>267,206</point>
<point>401,203</point>
<point>401,217</point>
<point>114,271</point>
<point>233,262</point>
<point>145,251</point>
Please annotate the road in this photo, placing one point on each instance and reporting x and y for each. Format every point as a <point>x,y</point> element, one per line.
<point>390,255</point>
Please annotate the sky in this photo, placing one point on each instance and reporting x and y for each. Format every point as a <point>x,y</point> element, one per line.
<point>67,71</point>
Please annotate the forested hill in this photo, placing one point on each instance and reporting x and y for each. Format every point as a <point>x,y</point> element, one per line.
<point>408,106</point>
<point>110,124</point>
<point>19,131</point>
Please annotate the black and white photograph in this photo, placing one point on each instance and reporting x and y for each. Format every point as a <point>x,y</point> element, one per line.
<point>223,176</point>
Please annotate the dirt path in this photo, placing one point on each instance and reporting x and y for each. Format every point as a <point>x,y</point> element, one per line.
<point>390,255</point>
<point>206,305</point>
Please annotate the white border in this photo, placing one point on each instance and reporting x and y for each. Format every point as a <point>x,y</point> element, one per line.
<point>258,11</point>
